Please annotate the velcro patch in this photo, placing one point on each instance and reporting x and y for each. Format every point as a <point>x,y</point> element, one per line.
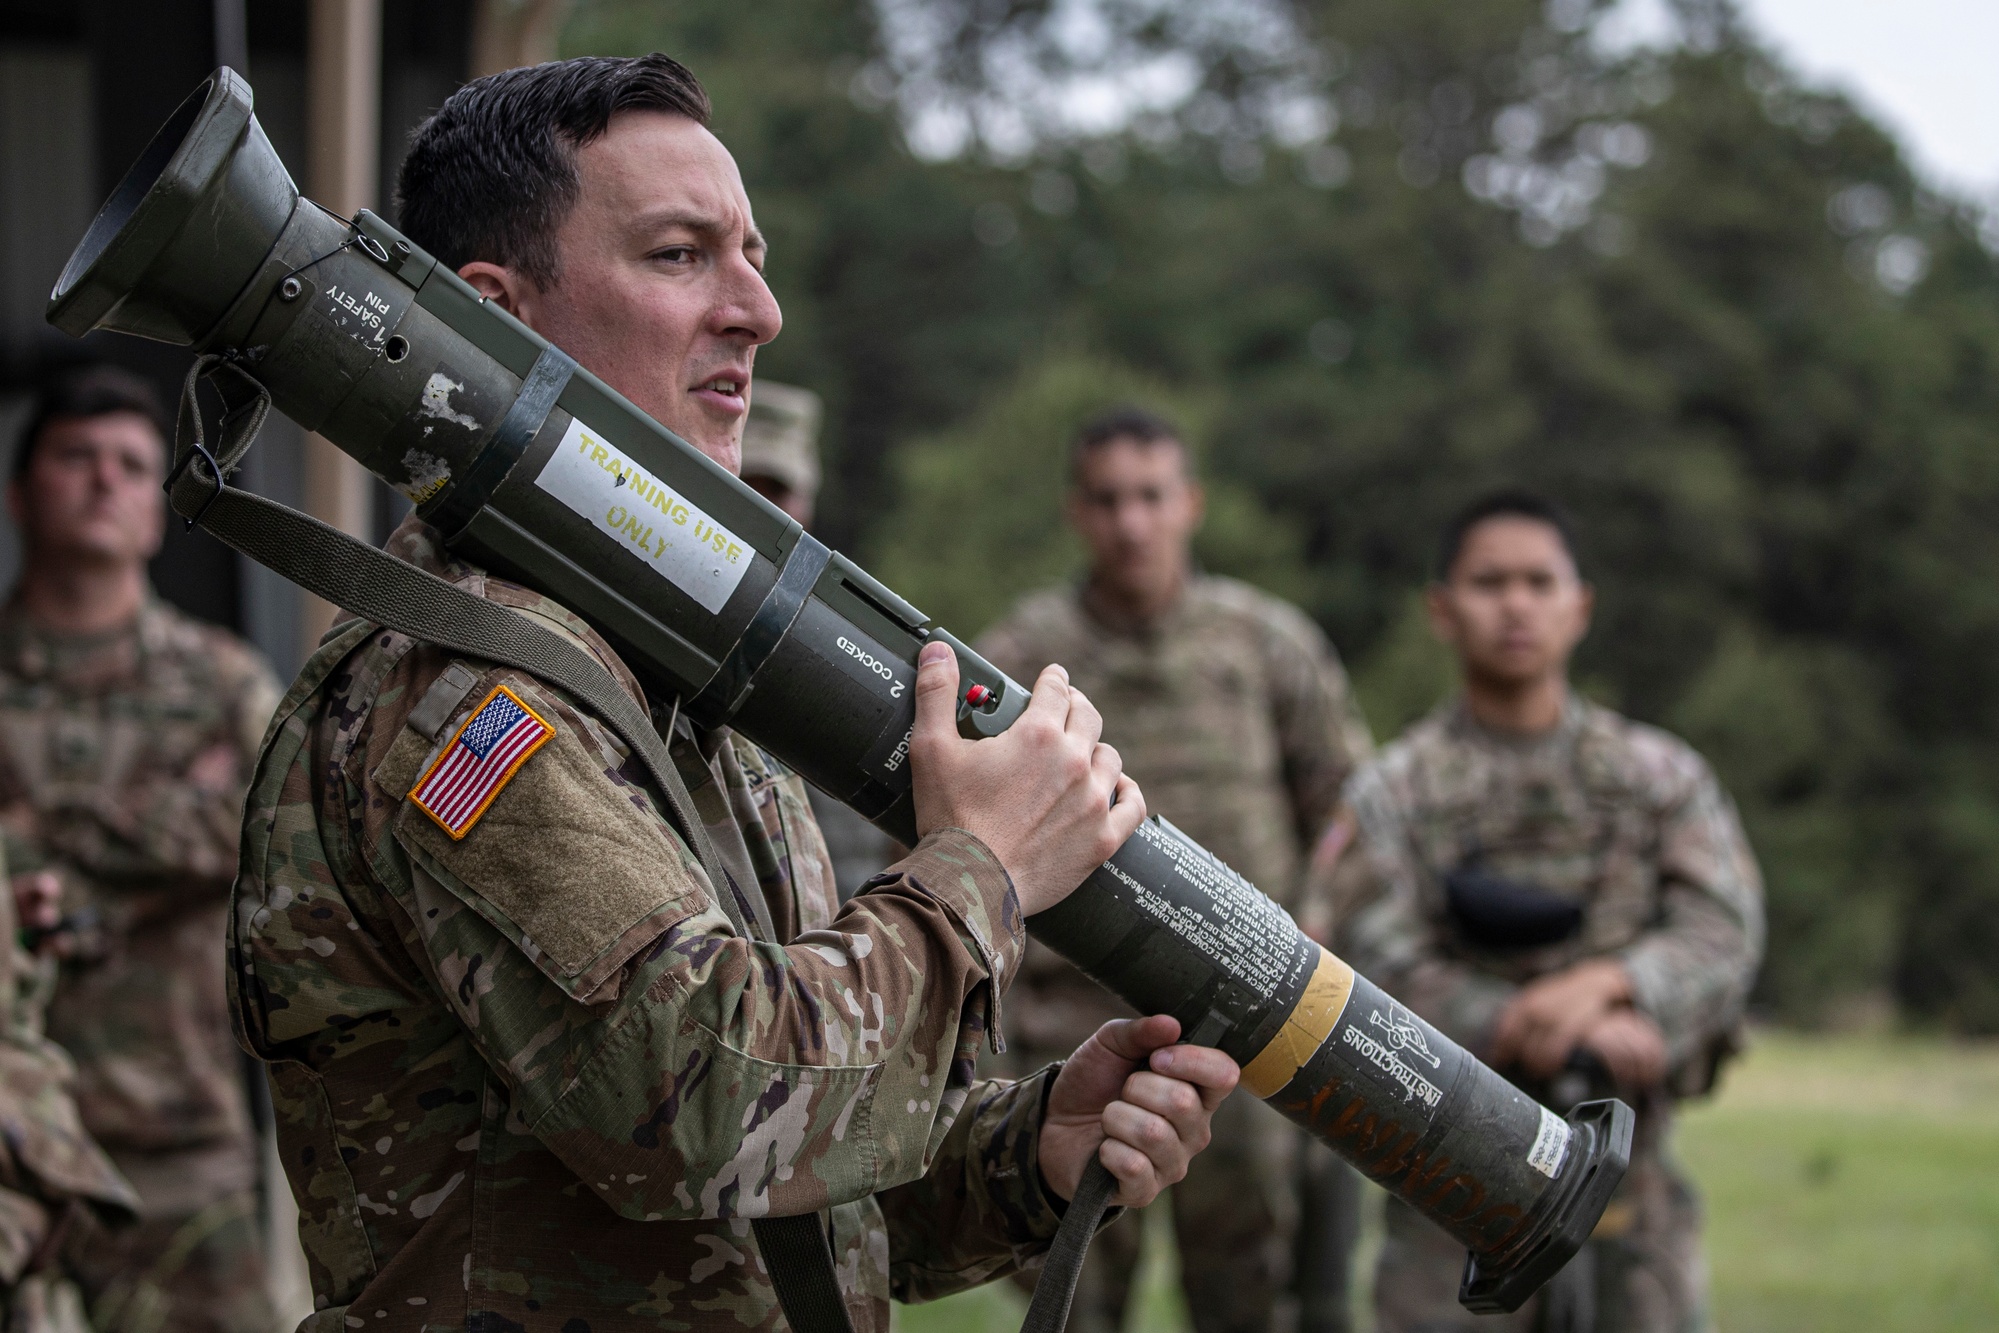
<point>502,734</point>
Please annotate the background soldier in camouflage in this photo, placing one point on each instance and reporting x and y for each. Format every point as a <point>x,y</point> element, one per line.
<point>56,1184</point>
<point>1232,711</point>
<point>1563,891</point>
<point>126,735</point>
<point>781,463</point>
<point>527,1075</point>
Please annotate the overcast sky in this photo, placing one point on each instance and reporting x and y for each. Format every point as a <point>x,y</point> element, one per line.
<point>1928,68</point>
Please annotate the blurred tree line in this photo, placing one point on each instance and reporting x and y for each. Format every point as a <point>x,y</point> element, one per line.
<point>1381,255</point>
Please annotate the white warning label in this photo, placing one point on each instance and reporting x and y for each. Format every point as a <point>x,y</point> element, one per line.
<point>1551,1144</point>
<point>646,516</point>
<point>1234,924</point>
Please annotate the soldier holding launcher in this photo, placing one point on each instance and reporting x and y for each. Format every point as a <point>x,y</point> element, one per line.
<point>528,1076</point>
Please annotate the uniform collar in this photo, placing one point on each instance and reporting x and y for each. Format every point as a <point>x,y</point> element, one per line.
<point>1151,627</point>
<point>1575,710</point>
<point>34,652</point>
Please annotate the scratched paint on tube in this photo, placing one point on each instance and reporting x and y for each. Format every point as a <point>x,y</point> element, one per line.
<point>647,517</point>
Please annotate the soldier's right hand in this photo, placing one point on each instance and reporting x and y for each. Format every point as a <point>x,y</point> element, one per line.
<point>1631,1047</point>
<point>1049,798</point>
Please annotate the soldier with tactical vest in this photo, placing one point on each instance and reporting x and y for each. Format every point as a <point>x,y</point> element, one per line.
<point>127,731</point>
<point>1234,713</point>
<point>528,1073</point>
<point>1566,892</point>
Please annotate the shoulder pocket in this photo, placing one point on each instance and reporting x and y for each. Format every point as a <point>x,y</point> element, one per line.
<point>571,866</point>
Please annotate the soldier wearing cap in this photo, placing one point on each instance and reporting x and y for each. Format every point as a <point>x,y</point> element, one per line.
<point>781,463</point>
<point>1567,893</point>
<point>781,447</point>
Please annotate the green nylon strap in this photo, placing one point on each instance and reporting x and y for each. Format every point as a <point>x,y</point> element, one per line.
<point>799,1258</point>
<point>1055,1289</point>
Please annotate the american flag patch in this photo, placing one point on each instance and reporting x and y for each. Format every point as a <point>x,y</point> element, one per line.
<point>490,748</point>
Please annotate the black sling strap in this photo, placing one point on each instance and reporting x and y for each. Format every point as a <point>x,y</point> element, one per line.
<point>357,577</point>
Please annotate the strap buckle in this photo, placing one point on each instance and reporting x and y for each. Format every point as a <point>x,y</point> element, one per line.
<point>196,449</point>
<point>237,428</point>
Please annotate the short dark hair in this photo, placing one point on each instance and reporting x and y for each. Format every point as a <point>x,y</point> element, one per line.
<point>492,173</point>
<point>1509,503</point>
<point>1124,422</point>
<point>87,391</point>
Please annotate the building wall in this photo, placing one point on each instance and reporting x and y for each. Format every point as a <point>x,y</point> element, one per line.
<point>83,86</point>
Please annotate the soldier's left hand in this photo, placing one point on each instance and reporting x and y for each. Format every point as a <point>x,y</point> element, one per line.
<point>1546,1019</point>
<point>1137,1102</point>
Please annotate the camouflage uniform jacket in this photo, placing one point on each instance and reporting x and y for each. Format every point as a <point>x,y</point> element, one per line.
<point>1233,714</point>
<point>123,761</point>
<point>47,1161</point>
<point>1618,817</point>
<point>529,1078</point>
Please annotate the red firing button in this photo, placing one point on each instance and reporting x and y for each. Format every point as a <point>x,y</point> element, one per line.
<point>978,696</point>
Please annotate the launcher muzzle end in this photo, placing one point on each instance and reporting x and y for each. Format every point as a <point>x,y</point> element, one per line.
<point>1602,1138</point>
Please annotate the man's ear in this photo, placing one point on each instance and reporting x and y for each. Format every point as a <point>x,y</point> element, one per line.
<point>501,285</point>
<point>1443,623</point>
<point>1072,506</point>
<point>1197,504</point>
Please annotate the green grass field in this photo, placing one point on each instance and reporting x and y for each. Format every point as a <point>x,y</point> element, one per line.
<point>1852,1186</point>
<point>1853,1183</point>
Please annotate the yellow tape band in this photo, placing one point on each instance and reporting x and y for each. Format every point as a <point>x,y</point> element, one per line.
<point>1305,1028</point>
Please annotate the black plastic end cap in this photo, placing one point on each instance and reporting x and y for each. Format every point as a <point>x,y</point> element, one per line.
<point>1603,1132</point>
